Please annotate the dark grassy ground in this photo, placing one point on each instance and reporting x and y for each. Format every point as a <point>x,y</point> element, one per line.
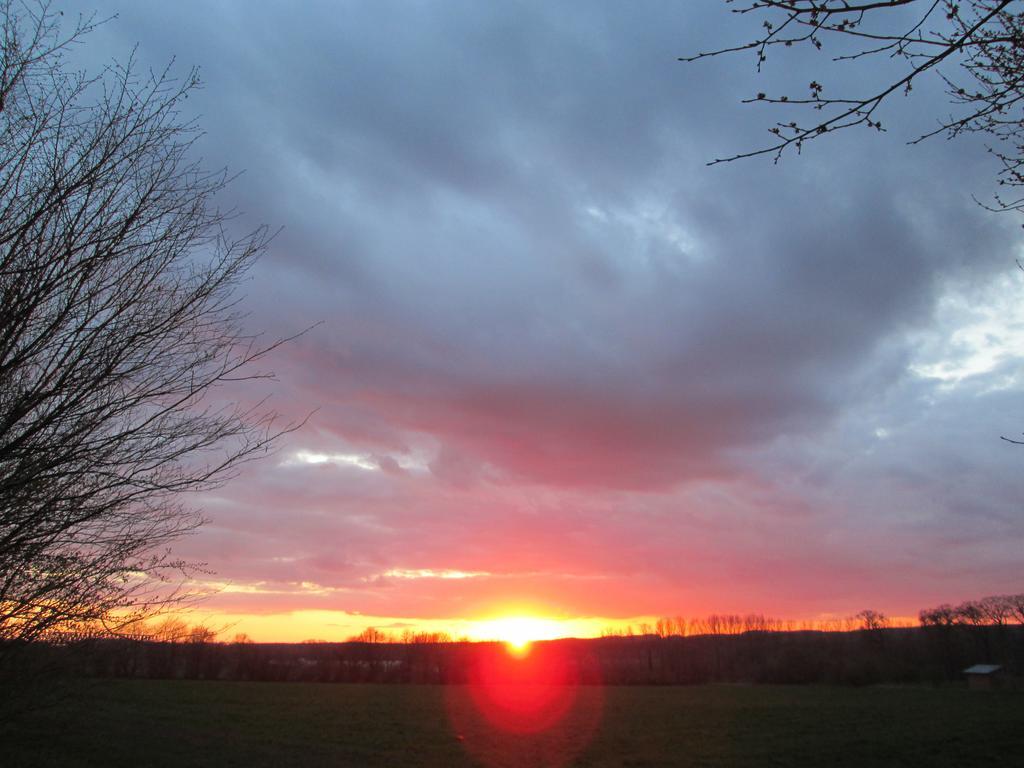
<point>181,724</point>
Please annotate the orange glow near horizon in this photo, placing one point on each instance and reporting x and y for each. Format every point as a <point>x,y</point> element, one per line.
<point>518,632</point>
<point>516,626</point>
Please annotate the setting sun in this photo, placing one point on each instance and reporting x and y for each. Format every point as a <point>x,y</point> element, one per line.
<point>517,632</point>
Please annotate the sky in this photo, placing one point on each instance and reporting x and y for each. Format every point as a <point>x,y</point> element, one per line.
<point>562,367</point>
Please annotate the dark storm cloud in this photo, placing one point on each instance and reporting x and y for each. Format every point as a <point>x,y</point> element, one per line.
<point>526,273</point>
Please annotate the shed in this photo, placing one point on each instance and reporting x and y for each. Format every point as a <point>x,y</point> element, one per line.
<point>984,677</point>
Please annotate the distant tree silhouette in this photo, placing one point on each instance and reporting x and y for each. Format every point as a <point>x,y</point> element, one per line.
<point>858,650</point>
<point>1016,603</point>
<point>997,609</point>
<point>872,620</point>
<point>370,635</point>
<point>119,328</point>
<point>170,630</point>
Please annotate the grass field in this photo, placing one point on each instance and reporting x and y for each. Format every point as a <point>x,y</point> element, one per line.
<point>182,724</point>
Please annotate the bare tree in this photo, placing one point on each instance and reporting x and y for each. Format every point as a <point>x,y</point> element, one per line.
<point>370,635</point>
<point>975,47</point>
<point>172,629</point>
<point>872,621</point>
<point>970,613</point>
<point>1017,607</point>
<point>944,615</point>
<point>120,335</point>
<point>997,609</point>
<point>201,634</point>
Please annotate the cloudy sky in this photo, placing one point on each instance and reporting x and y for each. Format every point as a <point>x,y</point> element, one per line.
<point>564,367</point>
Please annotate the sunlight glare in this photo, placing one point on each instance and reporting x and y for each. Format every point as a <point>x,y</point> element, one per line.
<point>517,632</point>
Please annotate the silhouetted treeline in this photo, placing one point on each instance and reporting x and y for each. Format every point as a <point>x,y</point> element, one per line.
<point>930,654</point>
<point>718,648</point>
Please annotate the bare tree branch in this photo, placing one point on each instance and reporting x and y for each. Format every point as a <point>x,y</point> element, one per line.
<point>981,41</point>
<point>119,328</point>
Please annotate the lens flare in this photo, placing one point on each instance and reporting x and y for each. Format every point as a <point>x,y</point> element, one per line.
<point>527,701</point>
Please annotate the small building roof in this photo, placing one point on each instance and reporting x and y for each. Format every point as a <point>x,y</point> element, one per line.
<point>982,669</point>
